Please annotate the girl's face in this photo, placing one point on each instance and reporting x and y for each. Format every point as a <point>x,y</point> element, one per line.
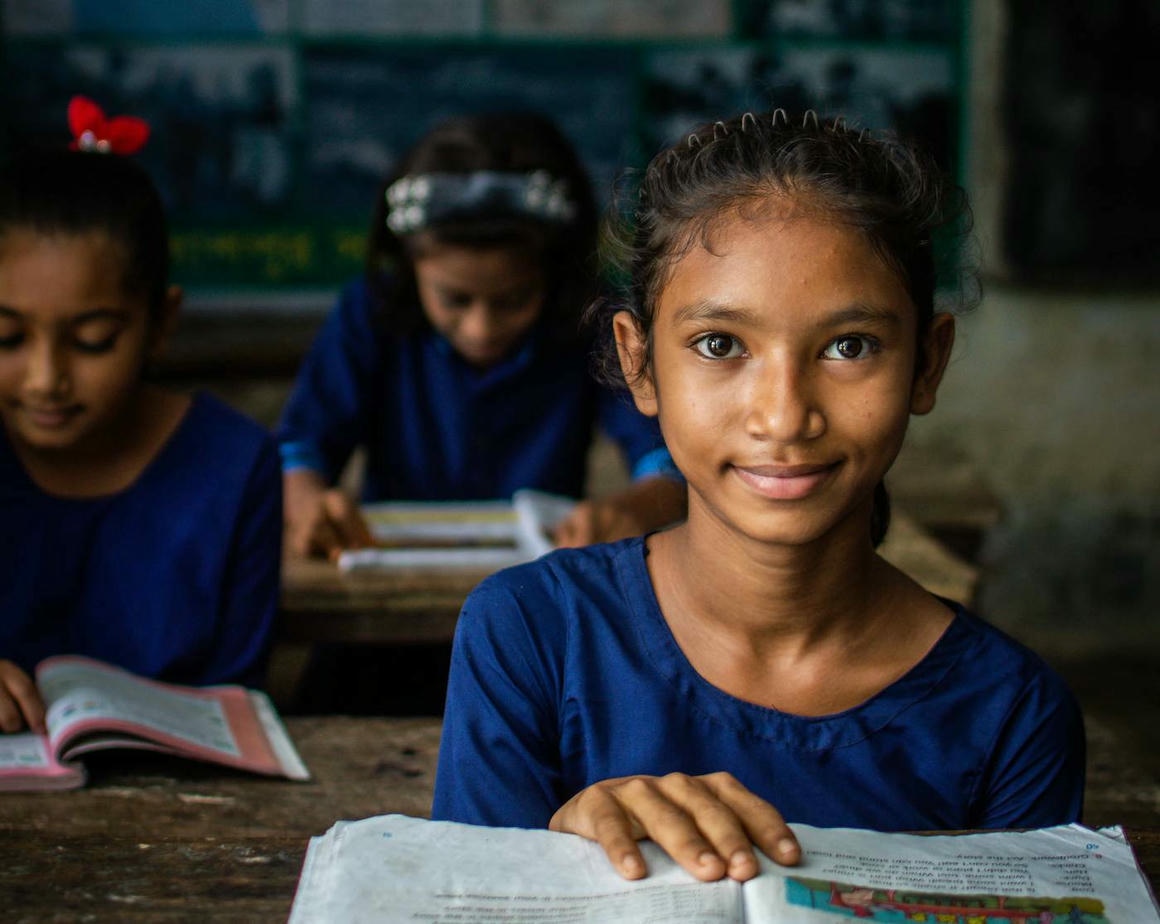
<point>72,342</point>
<point>783,373</point>
<point>483,301</point>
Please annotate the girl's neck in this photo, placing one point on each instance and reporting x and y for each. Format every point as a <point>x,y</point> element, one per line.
<point>810,629</point>
<point>113,459</point>
<point>766,590</point>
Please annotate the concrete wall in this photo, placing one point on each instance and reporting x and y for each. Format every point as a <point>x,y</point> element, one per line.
<point>1052,400</point>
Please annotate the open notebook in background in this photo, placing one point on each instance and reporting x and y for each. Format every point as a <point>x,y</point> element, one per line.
<point>469,535</point>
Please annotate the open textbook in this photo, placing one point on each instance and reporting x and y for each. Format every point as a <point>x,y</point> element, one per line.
<point>396,868</point>
<point>473,535</point>
<point>93,706</point>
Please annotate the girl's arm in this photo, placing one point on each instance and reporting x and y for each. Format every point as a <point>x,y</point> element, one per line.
<point>499,761</point>
<point>321,520</point>
<point>322,423</point>
<point>1034,776</point>
<point>249,607</point>
<point>646,504</point>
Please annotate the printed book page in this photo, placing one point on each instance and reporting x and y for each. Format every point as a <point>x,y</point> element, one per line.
<point>441,872</point>
<point>83,696</point>
<point>1063,875</point>
<point>93,706</point>
<point>26,762</point>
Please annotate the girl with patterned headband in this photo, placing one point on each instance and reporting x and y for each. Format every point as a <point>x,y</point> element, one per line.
<point>457,360</point>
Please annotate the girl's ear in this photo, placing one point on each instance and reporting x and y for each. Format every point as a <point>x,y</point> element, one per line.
<point>934,352</point>
<point>632,349</point>
<point>165,322</point>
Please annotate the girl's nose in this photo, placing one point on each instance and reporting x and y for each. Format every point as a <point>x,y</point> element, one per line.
<point>478,322</point>
<point>783,408</point>
<point>47,371</point>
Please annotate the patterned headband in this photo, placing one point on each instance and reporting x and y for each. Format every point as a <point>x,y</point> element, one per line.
<point>92,131</point>
<point>422,200</point>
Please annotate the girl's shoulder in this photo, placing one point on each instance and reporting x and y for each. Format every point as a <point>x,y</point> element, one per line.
<point>591,582</point>
<point>979,653</point>
<point>216,440</point>
<point>209,417</point>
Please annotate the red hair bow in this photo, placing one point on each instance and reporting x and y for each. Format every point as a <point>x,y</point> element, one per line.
<point>93,132</point>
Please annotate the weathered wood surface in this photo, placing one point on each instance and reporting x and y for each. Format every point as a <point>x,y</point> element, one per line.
<point>157,839</point>
<point>360,767</point>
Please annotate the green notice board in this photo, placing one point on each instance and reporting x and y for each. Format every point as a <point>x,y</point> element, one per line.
<point>275,120</point>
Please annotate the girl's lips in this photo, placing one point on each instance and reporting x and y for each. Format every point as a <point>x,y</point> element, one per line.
<point>50,418</point>
<point>785,482</point>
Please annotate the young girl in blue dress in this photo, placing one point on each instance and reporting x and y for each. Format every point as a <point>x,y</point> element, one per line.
<point>760,663</point>
<point>457,360</point>
<point>139,526</point>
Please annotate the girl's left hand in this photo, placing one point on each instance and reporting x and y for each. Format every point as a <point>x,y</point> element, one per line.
<point>708,824</point>
<point>645,505</point>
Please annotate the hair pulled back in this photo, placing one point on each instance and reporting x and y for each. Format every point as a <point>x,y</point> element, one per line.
<point>887,188</point>
<point>753,165</point>
<point>80,192</point>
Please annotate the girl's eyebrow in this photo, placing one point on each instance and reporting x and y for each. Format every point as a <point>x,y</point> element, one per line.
<point>97,314</point>
<point>100,314</point>
<point>707,309</point>
<point>858,313</point>
<point>861,313</point>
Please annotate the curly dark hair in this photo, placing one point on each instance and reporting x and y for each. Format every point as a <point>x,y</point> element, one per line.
<point>911,212</point>
<point>516,142</point>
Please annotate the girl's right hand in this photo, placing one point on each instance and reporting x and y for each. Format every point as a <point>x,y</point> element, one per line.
<point>708,824</point>
<point>20,701</point>
<point>320,521</point>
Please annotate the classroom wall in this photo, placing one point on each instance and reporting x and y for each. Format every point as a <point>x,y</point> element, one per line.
<point>1052,399</point>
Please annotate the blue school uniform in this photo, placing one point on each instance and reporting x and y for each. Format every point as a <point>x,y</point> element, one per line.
<point>176,577</point>
<point>435,428</point>
<point>564,673</point>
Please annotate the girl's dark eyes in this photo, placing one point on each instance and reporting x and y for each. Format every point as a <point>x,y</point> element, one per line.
<point>95,346</point>
<point>455,300</point>
<point>104,345</point>
<point>718,346</point>
<point>851,346</point>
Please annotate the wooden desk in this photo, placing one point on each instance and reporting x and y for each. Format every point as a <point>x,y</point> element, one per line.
<point>176,841</point>
<point>322,604</point>
<point>157,840</point>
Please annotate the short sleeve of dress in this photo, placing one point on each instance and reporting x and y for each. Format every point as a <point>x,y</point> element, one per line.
<point>499,756</point>
<point>1035,773</point>
<point>250,596</point>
